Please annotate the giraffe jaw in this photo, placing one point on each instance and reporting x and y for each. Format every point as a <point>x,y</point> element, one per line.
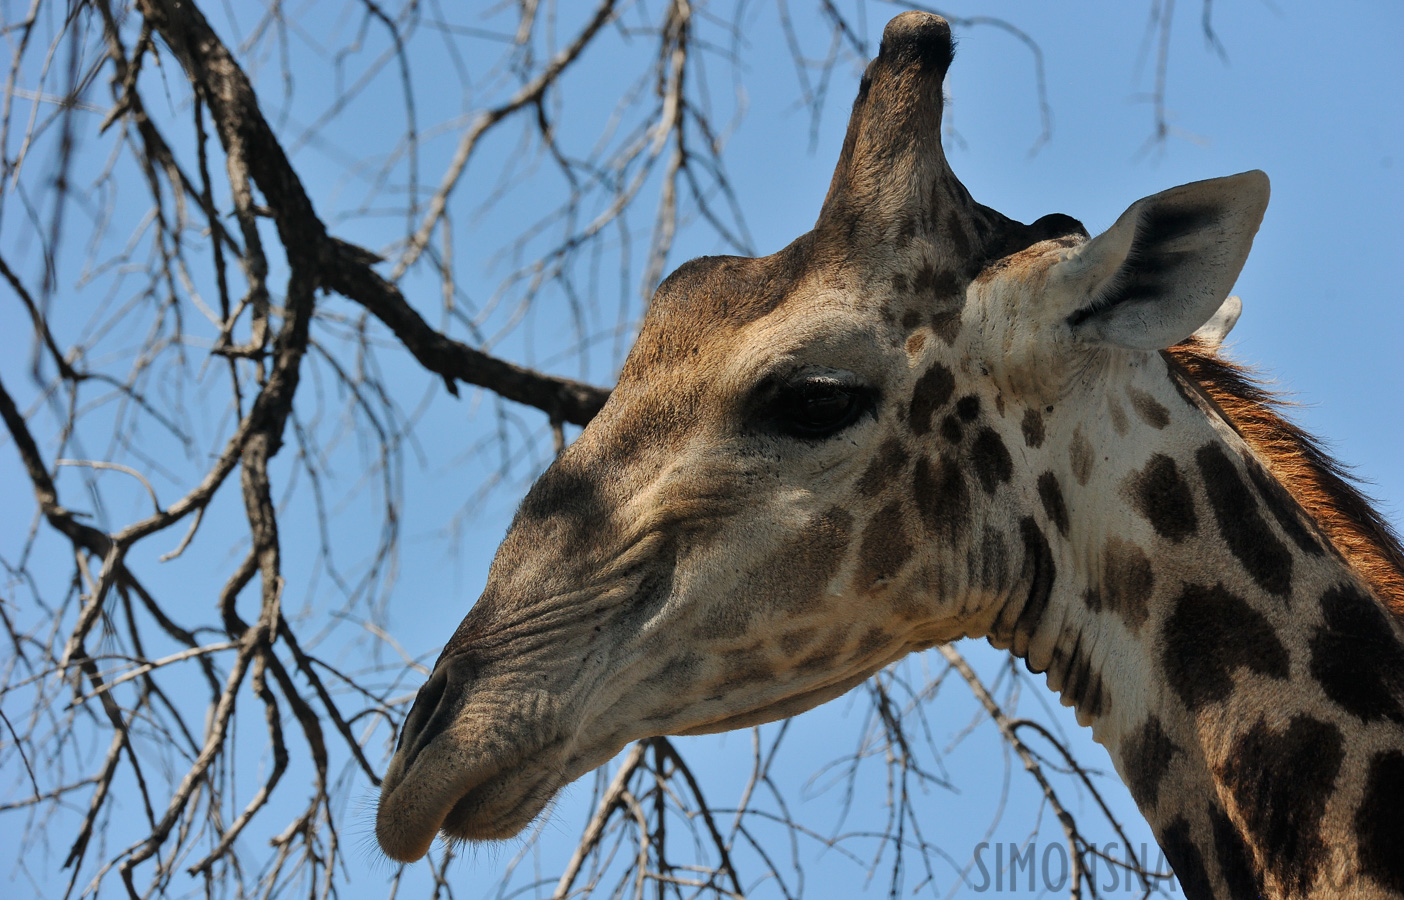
<point>786,707</point>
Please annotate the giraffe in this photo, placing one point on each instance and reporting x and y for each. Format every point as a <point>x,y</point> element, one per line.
<point>923,421</point>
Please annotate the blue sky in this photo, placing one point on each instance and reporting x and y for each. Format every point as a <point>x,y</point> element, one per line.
<point>1309,97</point>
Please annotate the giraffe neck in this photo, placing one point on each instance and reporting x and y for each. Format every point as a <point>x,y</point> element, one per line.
<point>1247,686</point>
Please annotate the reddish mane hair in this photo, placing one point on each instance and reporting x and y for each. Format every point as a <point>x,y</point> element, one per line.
<point>1320,484</point>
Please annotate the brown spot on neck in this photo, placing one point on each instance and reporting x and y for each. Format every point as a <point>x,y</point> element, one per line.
<point>1161,496</point>
<point>1080,457</point>
<point>942,496</point>
<point>1149,409</point>
<point>886,547</point>
<point>885,468</point>
<point>1297,461</point>
<point>1118,416</point>
<point>946,324</point>
<point>1146,757</point>
<point>1125,584</point>
<point>1032,427</point>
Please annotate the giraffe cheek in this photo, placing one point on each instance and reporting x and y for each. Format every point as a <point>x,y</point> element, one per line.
<point>794,581</point>
<point>885,550</point>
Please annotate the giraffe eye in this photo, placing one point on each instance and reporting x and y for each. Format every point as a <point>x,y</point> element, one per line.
<point>818,407</point>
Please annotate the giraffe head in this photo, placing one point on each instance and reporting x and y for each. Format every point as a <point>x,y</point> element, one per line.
<point>807,469</point>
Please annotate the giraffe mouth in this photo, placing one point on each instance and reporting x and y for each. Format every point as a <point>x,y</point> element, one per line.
<point>499,809</point>
<point>476,803</point>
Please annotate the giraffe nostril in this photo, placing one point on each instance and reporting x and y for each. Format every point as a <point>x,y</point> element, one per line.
<point>426,712</point>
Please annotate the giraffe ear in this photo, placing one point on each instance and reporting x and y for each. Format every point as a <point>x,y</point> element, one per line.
<point>1220,323</point>
<point>1164,269</point>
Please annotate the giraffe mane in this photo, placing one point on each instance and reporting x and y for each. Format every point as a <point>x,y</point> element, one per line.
<point>1324,487</point>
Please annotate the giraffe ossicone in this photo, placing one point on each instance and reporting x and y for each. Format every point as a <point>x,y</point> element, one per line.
<point>923,421</point>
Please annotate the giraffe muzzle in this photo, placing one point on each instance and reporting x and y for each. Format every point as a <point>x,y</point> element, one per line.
<point>457,770</point>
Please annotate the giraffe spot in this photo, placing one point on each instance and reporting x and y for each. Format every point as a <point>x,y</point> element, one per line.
<point>1378,826</point>
<point>1149,409</point>
<point>950,429</point>
<point>1284,509</point>
<point>907,229</point>
<point>915,344</point>
<point>942,497</point>
<point>792,642</point>
<point>1356,657</point>
<point>1210,634</point>
<point>825,654</point>
<point>935,285</point>
<point>1126,583</point>
<point>911,319</point>
<point>1080,455</point>
<point>991,461</point>
<point>885,469</point>
<point>1280,782</point>
<point>1039,573</point>
<point>1248,537</point>
<point>1146,758</point>
<point>655,587</point>
<point>933,390</point>
<point>1033,429</point>
<point>1162,497</point>
<point>885,548</point>
<point>908,606</point>
<point>1184,857</point>
<point>982,226</point>
<point>1118,416</point>
<point>679,671</point>
<point>746,666</point>
<point>968,407</point>
<point>568,502</point>
<point>794,578</point>
<point>874,640</point>
<point>988,562</point>
<point>946,324</point>
<point>954,232</point>
<point>727,620</point>
<point>1051,494</point>
<point>1235,859</point>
